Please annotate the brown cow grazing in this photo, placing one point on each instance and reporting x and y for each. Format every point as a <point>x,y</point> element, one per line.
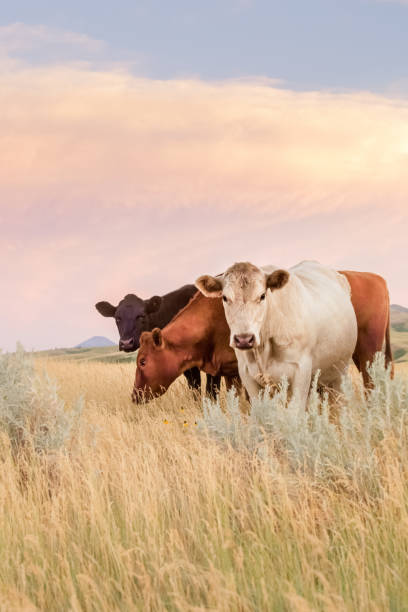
<point>199,336</point>
<point>371,302</point>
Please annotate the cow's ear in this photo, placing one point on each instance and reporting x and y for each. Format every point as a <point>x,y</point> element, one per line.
<point>277,279</point>
<point>209,286</point>
<point>157,337</point>
<point>153,304</point>
<point>144,338</point>
<point>105,309</point>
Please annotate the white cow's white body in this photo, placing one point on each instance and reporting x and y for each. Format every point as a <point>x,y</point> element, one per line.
<point>310,325</point>
<point>305,322</point>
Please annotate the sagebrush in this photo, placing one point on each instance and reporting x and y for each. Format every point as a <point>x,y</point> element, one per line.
<point>31,412</point>
<point>341,437</point>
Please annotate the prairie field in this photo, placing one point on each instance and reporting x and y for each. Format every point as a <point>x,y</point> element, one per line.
<point>143,509</point>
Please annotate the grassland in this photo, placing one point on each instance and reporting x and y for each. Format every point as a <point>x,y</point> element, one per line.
<point>144,513</point>
<point>105,354</point>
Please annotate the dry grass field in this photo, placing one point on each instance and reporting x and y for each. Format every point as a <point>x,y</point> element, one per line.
<point>144,511</point>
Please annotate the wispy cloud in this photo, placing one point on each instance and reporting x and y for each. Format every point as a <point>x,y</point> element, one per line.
<point>111,183</point>
<point>18,39</point>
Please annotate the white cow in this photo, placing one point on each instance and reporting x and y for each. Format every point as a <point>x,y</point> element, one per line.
<point>287,323</point>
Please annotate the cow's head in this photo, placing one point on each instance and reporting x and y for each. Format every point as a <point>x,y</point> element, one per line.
<point>244,289</point>
<point>132,318</point>
<point>158,365</point>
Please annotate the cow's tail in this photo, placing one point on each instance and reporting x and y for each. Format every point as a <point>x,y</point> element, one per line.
<point>388,350</point>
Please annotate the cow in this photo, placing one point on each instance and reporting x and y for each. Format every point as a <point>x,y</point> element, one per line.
<point>134,315</point>
<point>199,335</point>
<point>290,323</point>
<point>371,303</point>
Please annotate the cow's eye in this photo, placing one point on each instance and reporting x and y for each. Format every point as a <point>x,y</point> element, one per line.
<point>142,362</point>
<point>118,319</point>
<point>262,297</point>
<point>225,299</point>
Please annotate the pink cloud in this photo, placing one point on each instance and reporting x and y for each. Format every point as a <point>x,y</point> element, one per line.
<point>111,183</point>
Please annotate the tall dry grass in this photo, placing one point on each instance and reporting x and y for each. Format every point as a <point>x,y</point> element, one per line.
<point>143,512</point>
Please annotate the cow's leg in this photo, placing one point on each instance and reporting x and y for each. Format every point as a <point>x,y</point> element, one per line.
<point>251,385</point>
<point>356,359</point>
<point>369,343</point>
<point>193,377</point>
<point>212,386</point>
<point>233,381</point>
<point>301,382</point>
<point>335,382</point>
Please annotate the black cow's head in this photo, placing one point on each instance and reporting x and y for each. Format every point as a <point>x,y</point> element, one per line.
<point>131,316</point>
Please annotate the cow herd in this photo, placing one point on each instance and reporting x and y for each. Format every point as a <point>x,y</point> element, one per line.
<point>255,325</point>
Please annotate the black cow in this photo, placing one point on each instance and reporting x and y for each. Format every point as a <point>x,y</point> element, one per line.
<point>133,315</point>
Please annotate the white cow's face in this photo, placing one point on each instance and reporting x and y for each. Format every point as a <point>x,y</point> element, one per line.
<point>243,289</point>
<point>244,299</point>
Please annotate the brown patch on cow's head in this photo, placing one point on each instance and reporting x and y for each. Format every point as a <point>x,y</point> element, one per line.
<point>241,274</point>
<point>242,269</point>
<point>210,286</point>
<point>277,279</point>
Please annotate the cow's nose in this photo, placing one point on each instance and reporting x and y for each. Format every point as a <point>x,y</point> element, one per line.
<point>127,345</point>
<point>244,341</point>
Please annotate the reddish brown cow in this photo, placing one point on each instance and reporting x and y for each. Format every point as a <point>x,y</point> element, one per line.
<point>371,302</point>
<point>199,336</point>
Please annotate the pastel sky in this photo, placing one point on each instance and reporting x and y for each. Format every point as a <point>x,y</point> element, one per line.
<point>145,143</point>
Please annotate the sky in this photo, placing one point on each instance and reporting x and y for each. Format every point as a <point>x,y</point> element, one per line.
<point>143,144</point>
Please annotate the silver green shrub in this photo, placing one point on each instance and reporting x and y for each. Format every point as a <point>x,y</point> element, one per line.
<point>310,440</point>
<point>31,413</point>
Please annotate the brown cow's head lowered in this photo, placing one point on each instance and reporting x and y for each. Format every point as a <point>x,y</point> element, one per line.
<point>158,365</point>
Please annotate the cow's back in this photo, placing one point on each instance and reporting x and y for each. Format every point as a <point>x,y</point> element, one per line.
<point>171,305</point>
<point>319,314</point>
<point>323,295</point>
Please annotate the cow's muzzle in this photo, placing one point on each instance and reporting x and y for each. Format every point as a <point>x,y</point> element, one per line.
<point>244,341</point>
<point>127,345</point>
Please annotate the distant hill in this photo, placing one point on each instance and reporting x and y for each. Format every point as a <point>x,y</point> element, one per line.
<point>399,318</point>
<point>95,342</point>
<point>399,332</point>
<point>398,308</point>
<point>107,354</point>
